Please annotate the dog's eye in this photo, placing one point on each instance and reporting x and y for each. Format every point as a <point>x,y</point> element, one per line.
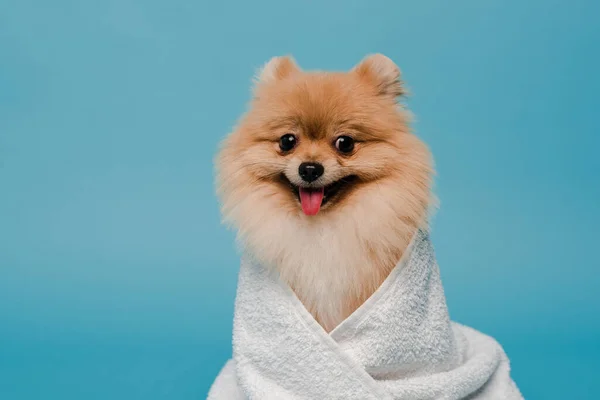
<point>345,144</point>
<point>287,142</point>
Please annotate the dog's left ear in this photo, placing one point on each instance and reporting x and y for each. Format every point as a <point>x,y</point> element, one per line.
<point>382,73</point>
<point>277,68</point>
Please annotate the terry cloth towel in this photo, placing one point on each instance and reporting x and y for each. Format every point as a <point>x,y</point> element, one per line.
<point>400,344</point>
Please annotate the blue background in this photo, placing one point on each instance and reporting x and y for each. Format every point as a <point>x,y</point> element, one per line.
<point>117,280</point>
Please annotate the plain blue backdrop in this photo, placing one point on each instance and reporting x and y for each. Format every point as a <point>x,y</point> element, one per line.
<point>117,280</point>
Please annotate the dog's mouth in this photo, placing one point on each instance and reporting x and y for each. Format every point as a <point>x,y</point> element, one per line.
<point>312,199</point>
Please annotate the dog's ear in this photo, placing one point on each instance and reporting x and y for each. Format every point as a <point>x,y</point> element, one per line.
<point>382,73</point>
<point>277,68</point>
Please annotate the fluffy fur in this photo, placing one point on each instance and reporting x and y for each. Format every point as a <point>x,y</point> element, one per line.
<point>336,259</point>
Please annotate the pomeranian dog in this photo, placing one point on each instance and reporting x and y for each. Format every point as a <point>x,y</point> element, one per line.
<point>324,181</point>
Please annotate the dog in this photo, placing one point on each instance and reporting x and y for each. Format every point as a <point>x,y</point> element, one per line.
<point>324,181</point>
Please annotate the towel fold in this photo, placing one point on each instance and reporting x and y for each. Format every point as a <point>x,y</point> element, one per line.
<point>400,344</point>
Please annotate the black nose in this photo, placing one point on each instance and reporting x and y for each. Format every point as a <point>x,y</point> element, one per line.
<point>310,172</point>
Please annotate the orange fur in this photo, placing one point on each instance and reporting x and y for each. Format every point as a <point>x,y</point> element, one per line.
<point>336,259</point>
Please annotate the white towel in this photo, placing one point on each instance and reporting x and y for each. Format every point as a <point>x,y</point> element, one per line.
<point>400,344</point>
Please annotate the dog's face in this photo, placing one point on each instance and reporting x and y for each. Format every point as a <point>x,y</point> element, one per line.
<point>317,139</point>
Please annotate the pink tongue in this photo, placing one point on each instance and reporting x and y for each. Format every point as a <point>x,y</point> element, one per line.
<point>311,200</point>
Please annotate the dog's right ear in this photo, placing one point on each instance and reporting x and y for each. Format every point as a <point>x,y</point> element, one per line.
<point>277,68</point>
<point>381,72</point>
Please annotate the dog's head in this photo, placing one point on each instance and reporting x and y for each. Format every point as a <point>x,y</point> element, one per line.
<point>317,145</point>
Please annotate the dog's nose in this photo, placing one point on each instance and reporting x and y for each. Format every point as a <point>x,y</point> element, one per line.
<point>310,172</point>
